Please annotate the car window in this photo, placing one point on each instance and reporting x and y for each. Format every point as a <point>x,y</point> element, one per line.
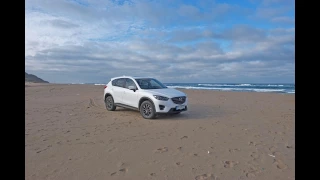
<point>114,82</point>
<point>150,83</point>
<point>130,82</point>
<point>155,84</point>
<point>120,82</point>
<point>142,83</point>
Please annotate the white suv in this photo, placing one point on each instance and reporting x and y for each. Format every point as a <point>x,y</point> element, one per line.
<point>145,94</point>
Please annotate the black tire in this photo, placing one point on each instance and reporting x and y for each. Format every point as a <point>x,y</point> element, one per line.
<point>110,103</point>
<point>147,110</point>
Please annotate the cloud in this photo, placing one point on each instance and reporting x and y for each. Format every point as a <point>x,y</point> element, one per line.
<point>283,19</point>
<point>277,2</point>
<point>270,12</point>
<point>92,41</point>
<point>62,24</point>
<point>242,33</point>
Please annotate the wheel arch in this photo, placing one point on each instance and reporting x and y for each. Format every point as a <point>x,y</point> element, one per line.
<point>106,95</point>
<point>142,99</point>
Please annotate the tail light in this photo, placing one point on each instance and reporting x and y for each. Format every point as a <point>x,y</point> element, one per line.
<point>105,86</point>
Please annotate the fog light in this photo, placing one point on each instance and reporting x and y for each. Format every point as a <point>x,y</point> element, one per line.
<point>161,107</point>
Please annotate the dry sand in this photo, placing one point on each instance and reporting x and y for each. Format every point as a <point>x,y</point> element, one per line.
<point>225,135</point>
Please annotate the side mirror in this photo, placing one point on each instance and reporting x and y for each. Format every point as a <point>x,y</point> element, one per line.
<point>132,88</point>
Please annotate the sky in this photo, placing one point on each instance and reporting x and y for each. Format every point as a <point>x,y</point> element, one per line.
<point>212,41</point>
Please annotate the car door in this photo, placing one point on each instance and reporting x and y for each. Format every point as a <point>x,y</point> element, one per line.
<point>117,89</point>
<point>130,97</point>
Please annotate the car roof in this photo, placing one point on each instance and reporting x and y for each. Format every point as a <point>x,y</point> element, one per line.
<point>133,77</point>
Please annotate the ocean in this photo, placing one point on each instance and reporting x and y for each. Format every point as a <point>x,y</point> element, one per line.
<point>274,88</point>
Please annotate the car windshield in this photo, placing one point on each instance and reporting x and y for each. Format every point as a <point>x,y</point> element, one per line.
<point>150,83</point>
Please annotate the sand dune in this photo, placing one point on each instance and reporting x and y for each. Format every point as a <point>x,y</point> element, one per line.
<point>225,135</point>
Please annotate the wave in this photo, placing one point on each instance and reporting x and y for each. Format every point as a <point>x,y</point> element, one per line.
<point>216,85</point>
<point>233,89</point>
<point>242,85</point>
<point>224,85</point>
<point>276,85</point>
<point>99,84</point>
<point>189,87</point>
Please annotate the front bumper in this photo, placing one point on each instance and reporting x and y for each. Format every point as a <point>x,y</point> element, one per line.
<point>169,106</point>
<point>173,111</point>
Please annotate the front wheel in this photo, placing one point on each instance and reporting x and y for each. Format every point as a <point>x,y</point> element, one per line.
<point>147,110</point>
<point>110,103</point>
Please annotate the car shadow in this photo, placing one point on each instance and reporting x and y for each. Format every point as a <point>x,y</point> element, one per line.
<point>126,109</point>
<point>198,112</point>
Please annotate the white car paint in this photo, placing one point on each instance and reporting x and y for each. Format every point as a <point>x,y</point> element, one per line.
<point>123,96</point>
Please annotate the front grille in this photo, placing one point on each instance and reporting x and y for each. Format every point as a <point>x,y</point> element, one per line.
<point>179,100</point>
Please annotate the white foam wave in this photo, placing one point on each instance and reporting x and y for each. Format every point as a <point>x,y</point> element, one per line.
<point>189,87</point>
<point>234,85</point>
<point>268,90</point>
<point>221,85</point>
<point>275,85</point>
<point>292,92</point>
<point>244,84</point>
<point>229,89</point>
<point>99,84</point>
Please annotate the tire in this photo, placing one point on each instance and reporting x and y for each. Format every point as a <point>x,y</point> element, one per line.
<point>147,110</point>
<point>110,103</point>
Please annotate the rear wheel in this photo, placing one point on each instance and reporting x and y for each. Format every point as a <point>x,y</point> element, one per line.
<point>110,103</point>
<point>147,110</point>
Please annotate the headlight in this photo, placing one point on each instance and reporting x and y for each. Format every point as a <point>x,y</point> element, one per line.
<point>161,98</point>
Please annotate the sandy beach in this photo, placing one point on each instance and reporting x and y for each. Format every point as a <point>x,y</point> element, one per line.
<point>69,135</point>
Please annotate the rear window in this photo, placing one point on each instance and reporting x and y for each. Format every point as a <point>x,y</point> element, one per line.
<point>114,82</point>
<point>119,82</point>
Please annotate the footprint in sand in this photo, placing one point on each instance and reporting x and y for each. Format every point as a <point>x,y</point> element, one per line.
<point>272,149</point>
<point>184,137</point>
<point>276,153</point>
<point>257,136</point>
<point>289,147</point>
<point>120,164</point>
<point>113,149</point>
<point>113,173</point>
<point>258,158</point>
<point>124,170</point>
<point>161,150</point>
<point>201,128</point>
<point>230,164</point>
<point>255,155</point>
<point>193,154</point>
<point>232,150</point>
<point>152,174</point>
<point>206,177</point>
<point>279,164</point>
<point>251,175</point>
<point>179,164</point>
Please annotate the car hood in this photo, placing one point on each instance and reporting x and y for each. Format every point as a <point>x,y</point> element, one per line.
<point>167,92</point>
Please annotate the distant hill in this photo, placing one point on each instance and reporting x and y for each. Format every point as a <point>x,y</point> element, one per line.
<point>33,78</point>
